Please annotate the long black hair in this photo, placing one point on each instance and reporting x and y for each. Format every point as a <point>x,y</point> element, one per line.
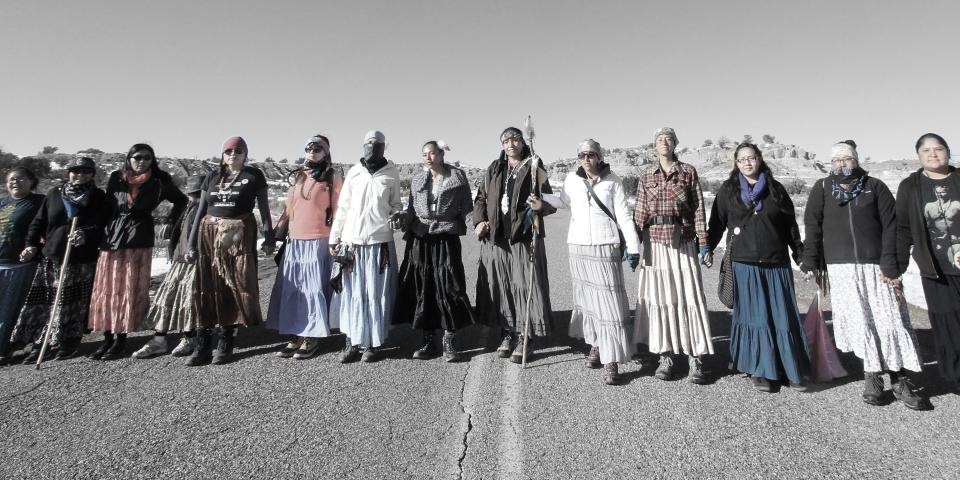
<point>138,147</point>
<point>935,137</point>
<point>762,167</point>
<point>26,172</point>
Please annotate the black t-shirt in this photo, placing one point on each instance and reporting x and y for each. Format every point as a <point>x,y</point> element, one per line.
<point>233,197</point>
<point>941,210</point>
<point>15,218</point>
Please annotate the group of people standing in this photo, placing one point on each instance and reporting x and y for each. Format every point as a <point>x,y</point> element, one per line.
<point>338,264</point>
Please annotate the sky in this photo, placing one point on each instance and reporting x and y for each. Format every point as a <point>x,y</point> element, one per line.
<point>184,75</point>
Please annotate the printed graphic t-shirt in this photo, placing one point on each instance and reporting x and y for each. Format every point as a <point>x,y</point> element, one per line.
<point>941,209</point>
<point>15,217</point>
<point>233,197</point>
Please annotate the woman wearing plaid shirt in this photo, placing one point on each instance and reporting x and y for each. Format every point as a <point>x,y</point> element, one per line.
<point>671,307</point>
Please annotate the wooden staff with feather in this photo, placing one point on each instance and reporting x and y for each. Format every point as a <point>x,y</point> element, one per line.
<point>535,229</point>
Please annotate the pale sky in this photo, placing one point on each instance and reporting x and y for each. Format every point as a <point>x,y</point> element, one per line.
<point>184,75</point>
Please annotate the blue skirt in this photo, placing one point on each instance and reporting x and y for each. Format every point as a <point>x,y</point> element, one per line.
<point>299,304</point>
<point>766,337</point>
<point>364,309</point>
<point>14,283</point>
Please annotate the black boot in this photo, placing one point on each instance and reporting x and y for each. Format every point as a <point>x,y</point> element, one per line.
<point>107,343</point>
<point>872,388</point>
<point>450,352</point>
<point>903,390</point>
<point>33,354</point>
<point>506,343</point>
<point>68,349</point>
<point>203,352</point>
<point>118,349</point>
<point>428,350</point>
<point>224,351</point>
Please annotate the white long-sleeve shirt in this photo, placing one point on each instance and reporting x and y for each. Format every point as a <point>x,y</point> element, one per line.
<point>588,224</point>
<point>365,205</point>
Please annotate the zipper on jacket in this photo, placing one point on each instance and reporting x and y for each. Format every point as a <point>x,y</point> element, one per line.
<point>853,235</point>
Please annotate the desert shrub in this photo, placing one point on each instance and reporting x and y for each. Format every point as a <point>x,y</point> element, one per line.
<point>767,138</point>
<point>724,142</point>
<point>707,143</point>
<point>48,150</point>
<point>795,186</point>
<point>630,183</point>
<point>747,138</point>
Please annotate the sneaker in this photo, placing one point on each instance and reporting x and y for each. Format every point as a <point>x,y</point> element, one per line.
<point>290,348</point>
<point>450,353</point>
<point>872,388</point>
<point>517,355</point>
<point>308,349</point>
<point>665,370</point>
<point>350,354</point>
<point>506,344</point>
<point>762,384</point>
<point>611,376</point>
<point>428,350</point>
<point>185,347</point>
<point>696,375</point>
<point>156,346</point>
<point>370,355</point>
<point>903,390</point>
<point>800,387</point>
<point>593,358</point>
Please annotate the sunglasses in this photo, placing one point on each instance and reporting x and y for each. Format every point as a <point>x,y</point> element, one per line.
<point>233,151</point>
<point>314,149</point>
<point>142,157</point>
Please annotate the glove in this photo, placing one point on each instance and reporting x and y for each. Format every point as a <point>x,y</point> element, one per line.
<point>633,260</point>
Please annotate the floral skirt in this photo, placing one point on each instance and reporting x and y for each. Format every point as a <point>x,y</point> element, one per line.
<point>175,305</point>
<point>74,308</point>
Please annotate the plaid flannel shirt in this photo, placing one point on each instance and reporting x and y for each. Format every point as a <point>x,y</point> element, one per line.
<point>676,194</point>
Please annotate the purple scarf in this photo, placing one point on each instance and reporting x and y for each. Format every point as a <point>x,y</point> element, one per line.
<point>753,196</point>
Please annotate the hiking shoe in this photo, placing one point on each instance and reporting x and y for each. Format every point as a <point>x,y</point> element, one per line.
<point>156,346</point>
<point>185,347</point>
<point>203,351</point>
<point>517,355</point>
<point>593,358</point>
<point>903,390</point>
<point>102,349</point>
<point>872,388</point>
<point>224,352</point>
<point>370,355</point>
<point>800,387</point>
<point>696,375</point>
<point>32,355</point>
<point>350,354</point>
<point>611,375</point>
<point>308,349</point>
<point>450,353</point>
<point>762,384</point>
<point>506,344</point>
<point>118,349</point>
<point>69,348</point>
<point>665,370</point>
<point>428,350</point>
<point>290,348</point>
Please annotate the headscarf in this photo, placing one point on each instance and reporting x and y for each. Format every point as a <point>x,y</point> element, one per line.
<point>668,132</point>
<point>234,142</point>
<point>373,158</point>
<point>316,169</point>
<point>752,196</point>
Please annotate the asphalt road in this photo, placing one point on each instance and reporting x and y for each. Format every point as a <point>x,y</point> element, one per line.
<point>267,417</point>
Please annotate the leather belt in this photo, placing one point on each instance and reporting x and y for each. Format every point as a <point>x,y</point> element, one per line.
<point>662,220</point>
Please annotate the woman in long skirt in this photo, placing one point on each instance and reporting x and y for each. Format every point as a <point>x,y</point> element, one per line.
<point>928,221</point>
<point>599,220</point>
<point>16,212</point>
<point>432,281</point>
<point>502,213</point>
<point>766,337</point>
<point>175,304</point>
<point>672,309</point>
<point>299,304</point>
<point>223,239</point>
<point>851,232</point>
<point>78,199</point>
<point>121,291</point>
<point>362,237</point>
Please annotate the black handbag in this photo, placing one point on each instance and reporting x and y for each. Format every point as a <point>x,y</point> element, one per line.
<point>725,284</point>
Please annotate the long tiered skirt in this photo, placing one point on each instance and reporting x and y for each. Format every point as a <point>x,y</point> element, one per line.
<point>74,303</point>
<point>671,306</point>
<point>601,311</point>
<point>299,304</point>
<point>943,307</point>
<point>121,290</point>
<point>869,321</point>
<point>14,283</point>
<point>175,305</point>
<point>227,272</point>
<point>766,336</point>
<point>433,293</point>
<point>364,309</point>
<point>502,279</point>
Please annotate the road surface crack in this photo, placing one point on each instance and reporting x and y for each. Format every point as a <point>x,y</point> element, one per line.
<point>20,394</point>
<point>469,414</point>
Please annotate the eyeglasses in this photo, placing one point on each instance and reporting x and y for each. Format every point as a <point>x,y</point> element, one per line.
<point>745,160</point>
<point>842,159</point>
<point>233,151</point>
<point>142,157</point>
<point>313,149</point>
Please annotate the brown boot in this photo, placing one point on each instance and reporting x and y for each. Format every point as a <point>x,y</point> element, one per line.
<point>593,358</point>
<point>610,374</point>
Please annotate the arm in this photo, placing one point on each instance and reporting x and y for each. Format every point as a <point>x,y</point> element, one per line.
<point>173,195</point>
<point>545,189</point>
<point>263,202</point>
<point>718,219</point>
<point>813,227</point>
<point>887,208</point>
<point>466,201</point>
<point>624,219</point>
<point>905,194</point>
<point>699,212</point>
<point>793,230</point>
<point>342,210</point>
<point>201,212</point>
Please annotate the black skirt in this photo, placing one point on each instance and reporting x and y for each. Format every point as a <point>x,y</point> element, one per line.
<point>943,307</point>
<point>432,292</point>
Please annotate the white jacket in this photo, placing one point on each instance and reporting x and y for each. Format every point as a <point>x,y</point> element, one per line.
<point>365,205</point>
<point>588,224</point>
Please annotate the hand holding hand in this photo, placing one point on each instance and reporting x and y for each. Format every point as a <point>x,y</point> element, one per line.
<point>633,260</point>
<point>27,254</point>
<point>482,229</point>
<point>535,203</point>
<point>77,238</point>
<point>191,256</point>
<point>333,248</point>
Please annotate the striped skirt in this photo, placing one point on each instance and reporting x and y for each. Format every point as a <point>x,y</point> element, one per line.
<point>766,336</point>
<point>175,305</point>
<point>870,321</point>
<point>502,279</point>
<point>14,283</point>
<point>299,303</point>
<point>601,311</point>
<point>433,291</point>
<point>671,306</point>
<point>227,272</point>
<point>364,309</point>
<point>74,303</point>
<point>121,290</point>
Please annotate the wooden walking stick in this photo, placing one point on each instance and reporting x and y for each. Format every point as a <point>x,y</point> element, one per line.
<point>535,228</point>
<point>55,311</point>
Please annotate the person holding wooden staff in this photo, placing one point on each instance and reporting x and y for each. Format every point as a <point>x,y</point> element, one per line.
<point>503,210</point>
<point>48,234</point>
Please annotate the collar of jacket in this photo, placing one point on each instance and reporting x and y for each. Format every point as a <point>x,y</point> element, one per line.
<point>604,170</point>
<point>419,181</point>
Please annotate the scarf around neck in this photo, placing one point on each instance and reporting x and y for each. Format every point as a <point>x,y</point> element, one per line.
<point>135,181</point>
<point>847,184</point>
<point>75,196</point>
<point>373,164</point>
<point>753,196</point>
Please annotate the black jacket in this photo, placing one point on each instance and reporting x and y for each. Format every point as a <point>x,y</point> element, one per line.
<point>912,229</point>
<point>764,236</point>
<point>131,226</point>
<point>51,226</point>
<point>861,231</point>
<point>486,205</point>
